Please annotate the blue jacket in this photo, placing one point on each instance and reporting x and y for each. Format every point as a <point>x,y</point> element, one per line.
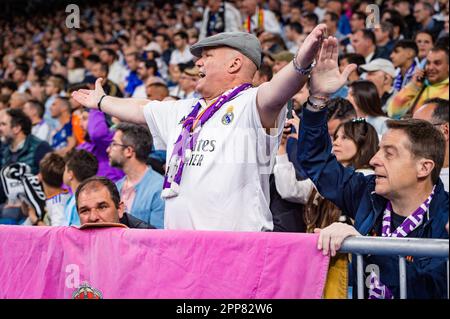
<point>148,205</point>
<point>355,195</point>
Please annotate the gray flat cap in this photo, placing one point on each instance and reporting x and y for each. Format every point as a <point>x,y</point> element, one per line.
<point>244,42</point>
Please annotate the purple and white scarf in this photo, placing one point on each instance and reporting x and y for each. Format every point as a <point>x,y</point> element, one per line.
<point>188,138</point>
<point>400,81</point>
<point>377,289</point>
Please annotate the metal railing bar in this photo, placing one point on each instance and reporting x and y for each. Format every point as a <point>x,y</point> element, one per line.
<point>417,247</point>
<point>360,274</point>
<point>402,270</point>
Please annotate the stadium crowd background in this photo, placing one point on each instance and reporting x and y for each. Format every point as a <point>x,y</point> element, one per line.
<point>141,49</point>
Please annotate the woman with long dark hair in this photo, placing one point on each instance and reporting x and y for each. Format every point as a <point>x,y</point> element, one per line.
<point>365,99</point>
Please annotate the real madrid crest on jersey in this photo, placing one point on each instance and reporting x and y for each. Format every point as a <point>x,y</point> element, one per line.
<point>228,117</point>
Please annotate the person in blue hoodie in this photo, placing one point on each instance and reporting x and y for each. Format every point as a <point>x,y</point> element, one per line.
<point>404,198</point>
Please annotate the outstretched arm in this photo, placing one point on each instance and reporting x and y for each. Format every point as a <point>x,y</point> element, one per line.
<point>273,95</point>
<point>125,109</point>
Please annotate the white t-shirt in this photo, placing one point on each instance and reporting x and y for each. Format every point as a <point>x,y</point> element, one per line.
<point>55,209</point>
<point>223,186</point>
<point>178,57</point>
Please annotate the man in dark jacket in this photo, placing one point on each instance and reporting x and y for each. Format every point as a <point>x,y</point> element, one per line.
<point>98,201</point>
<point>19,146</point>
<point>405,197</point>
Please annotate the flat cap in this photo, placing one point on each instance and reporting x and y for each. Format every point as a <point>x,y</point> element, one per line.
<point>244,42</point>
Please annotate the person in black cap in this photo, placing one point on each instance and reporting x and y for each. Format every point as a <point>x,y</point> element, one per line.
<point>222,145</point>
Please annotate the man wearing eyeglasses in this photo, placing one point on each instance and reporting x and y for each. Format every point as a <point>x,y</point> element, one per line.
<point>140,189</point>
<point>436,111</point>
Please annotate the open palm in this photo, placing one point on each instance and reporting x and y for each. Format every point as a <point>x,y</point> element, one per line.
<point>326,77</point>
<point>90,98</point>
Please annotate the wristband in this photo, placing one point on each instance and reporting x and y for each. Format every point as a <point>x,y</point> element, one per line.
<point>99,103</point>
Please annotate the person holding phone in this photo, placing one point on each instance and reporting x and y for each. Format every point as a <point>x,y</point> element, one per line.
<point>427,83</point>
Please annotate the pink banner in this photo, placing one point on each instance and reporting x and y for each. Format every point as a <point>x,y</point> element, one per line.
<point>65,262</point>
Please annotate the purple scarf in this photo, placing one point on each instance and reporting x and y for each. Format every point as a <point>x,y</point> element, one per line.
<point>377,289</point>
<point>188,138</point>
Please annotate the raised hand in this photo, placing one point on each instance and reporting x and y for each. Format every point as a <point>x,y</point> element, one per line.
<point>311,46</point>
<point>90,98</point>
<point>325,76</point>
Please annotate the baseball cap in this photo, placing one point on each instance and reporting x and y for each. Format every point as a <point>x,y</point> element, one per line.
<point>244,42</point>
<point>379,65</point>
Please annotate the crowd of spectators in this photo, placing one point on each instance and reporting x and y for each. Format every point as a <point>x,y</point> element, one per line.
<point>140,49</point>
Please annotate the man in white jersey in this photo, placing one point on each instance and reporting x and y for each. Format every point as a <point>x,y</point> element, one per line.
<point>219,158</point>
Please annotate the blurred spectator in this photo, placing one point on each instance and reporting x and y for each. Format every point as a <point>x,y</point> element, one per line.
<point>181,54</point>
<point>157,91</point>
<point>54,87</point>
<point>424,41</point>
<point>425,84</point>
<point>344,60</point>
<point>384,35</point>
<point>62,139</point>
<point>364,97</point>
<point>311,6</point>
<point>219,16</point>
<point>97,139</point>
<point>281,59</point>
<point>145,70</point>
<point>35,111</point>
<point>20,146</point>
<point>364,43</point>
<point>116,71</point>
<point>20,77</point>
<point>51,171</point>
<point>98,201</point>
<point>336,7</point>
<point>75,70</point>
<point>339,111</point>
<point>404,58</point>
<point>264,74</point>
<point>381,72</point>
<point>436,111</point>
<point>403,7</point>
<point>163,41</point>
<point>331,19</point>
<point>423,12</point>
<point>141,187</point>
<point>41,68</point>
<point>188,82</point>
<point>132,81</point>
<point>257,19</point>
<point>80,165</point>
<point>18,100</point>
<point>100,70</point>
<point>309,21</point>
<point>294,35</point>
<point>358,21</point>
<point>4,101</point>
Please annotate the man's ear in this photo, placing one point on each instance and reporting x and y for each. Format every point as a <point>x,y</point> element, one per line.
<point>424,167</point>
<point>121,209</point>
<point>235,64</point>
<point>445,131</point>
